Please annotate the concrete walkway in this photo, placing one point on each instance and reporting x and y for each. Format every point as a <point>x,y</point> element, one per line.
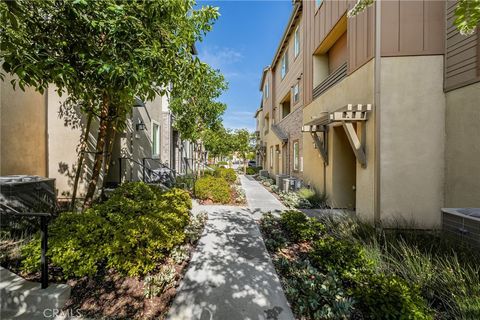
<point>258,198</point>
<point>231,275</point>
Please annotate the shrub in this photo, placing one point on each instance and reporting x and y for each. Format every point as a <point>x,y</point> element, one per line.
<point>299,227</point>
<point>132,232</point>
<point>212,188</point>
<point>316,200</point>
<point>341,255</point>
<point>227,174</point>
<point>294,200</point>
<point>251,171</point>
<point>77,243</point>
<point>387,297</point>
<point>313,295</point>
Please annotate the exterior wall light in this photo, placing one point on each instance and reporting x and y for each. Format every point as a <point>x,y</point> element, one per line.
<point>140,126</point>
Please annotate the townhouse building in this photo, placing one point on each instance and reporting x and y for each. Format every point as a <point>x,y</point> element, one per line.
<point>37,139</point>
<point>391,102</point>
<point>280,114</point>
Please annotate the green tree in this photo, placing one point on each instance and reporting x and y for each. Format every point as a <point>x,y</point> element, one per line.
<point>242,144</point>
<point>105,53</point>
<point>467,14</point>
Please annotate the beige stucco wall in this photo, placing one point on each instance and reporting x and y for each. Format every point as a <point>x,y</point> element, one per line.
<point>23,128</point>
<point>356,88</point>
<point>412,135</point>
<point>63,141</point>
<point>462,184</point>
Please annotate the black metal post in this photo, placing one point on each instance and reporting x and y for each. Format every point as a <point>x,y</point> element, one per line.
<point>43,261</point>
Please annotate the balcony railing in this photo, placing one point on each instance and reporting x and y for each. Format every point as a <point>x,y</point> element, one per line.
<point>332,79</point>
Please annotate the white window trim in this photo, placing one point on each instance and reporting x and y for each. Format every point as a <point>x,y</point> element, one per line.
<point>296,97</point>
<point>284,62</point>
<point>296,42</point>
<point>271,156</point>
<point>159,143</point>
<point>266,89</point>
<point>296,156</point>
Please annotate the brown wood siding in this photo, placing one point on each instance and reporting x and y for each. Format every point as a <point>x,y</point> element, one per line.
<point>308,37</point>
<point>282,87</point>
<point>361,39</point>
<point>412,27</point>
<point>326,16</point>
<point>462,53</point>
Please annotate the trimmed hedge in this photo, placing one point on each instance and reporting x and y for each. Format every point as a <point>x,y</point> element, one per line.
<point>213,188</point>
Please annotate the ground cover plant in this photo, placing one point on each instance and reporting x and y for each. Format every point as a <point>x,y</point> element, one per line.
<point>122,257</point>
<point>337,267</point>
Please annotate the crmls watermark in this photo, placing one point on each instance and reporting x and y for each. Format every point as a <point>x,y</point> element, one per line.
<point>52,313</point>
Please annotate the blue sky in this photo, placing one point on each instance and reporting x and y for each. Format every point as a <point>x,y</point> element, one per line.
<point>242,42</point>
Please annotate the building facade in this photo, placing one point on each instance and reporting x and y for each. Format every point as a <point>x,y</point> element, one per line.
<point>37,138</point>
<point>390,98</point>
<point>280,115</point>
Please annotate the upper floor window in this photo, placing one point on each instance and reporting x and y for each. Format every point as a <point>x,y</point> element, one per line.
<point>284,64</point>
<point>266,89</point>
<point>297,42</point>
<point>296,93</point>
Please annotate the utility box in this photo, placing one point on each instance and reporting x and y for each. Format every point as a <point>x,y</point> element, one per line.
<point>463,223</point>
<point>279,180</point>
<point>263,173</point>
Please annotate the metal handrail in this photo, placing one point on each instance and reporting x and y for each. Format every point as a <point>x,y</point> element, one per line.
<point>44,241</point>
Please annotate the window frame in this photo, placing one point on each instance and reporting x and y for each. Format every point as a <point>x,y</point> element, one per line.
<point>271,157</point>
<point>296,96</point>
<point>296,155</point>
<point>156,142</point>
<point>296,42</point>
<point>266,89</point>
<point>284,64</point>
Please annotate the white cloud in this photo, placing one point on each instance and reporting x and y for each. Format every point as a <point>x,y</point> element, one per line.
<point>220,57</point>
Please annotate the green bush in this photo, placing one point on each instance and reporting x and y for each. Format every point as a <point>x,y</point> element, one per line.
<point>388,297</point>
<point>316,200</point>
<point>251,171</point>
<point>341,255</point>
<point>227,174</point>
<point>274,237</point>
<point>299,227</point>
<point>77,243</point>
<point>213,188</point>
<point>131,232</point>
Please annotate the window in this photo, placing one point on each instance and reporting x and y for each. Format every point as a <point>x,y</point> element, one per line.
<point>155,139</point>
<point>266,90</point>
<point>271,157</point>
<point>296,93</point>
<point>318,3</point>
<point>296,158</point>
<point>284,64</point>
<point>297,42</point>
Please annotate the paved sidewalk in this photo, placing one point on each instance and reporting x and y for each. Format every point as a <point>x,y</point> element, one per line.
<point>230,275</point>
<point>258,198</point>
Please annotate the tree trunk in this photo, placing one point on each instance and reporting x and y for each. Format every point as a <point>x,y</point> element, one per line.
<point>111,134</point>
<point>81,157</point>
<point>99,153</point>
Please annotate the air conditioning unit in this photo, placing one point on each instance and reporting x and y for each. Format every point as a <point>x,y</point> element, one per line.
<point>279,180</point>
<point>263,173</point>
<point>291,184</point>
<point>463,223</point>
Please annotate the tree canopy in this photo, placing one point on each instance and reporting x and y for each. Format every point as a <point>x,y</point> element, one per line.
<point>104,54</point>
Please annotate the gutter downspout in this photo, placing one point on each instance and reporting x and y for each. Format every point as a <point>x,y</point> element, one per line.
<point>377,122</point>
